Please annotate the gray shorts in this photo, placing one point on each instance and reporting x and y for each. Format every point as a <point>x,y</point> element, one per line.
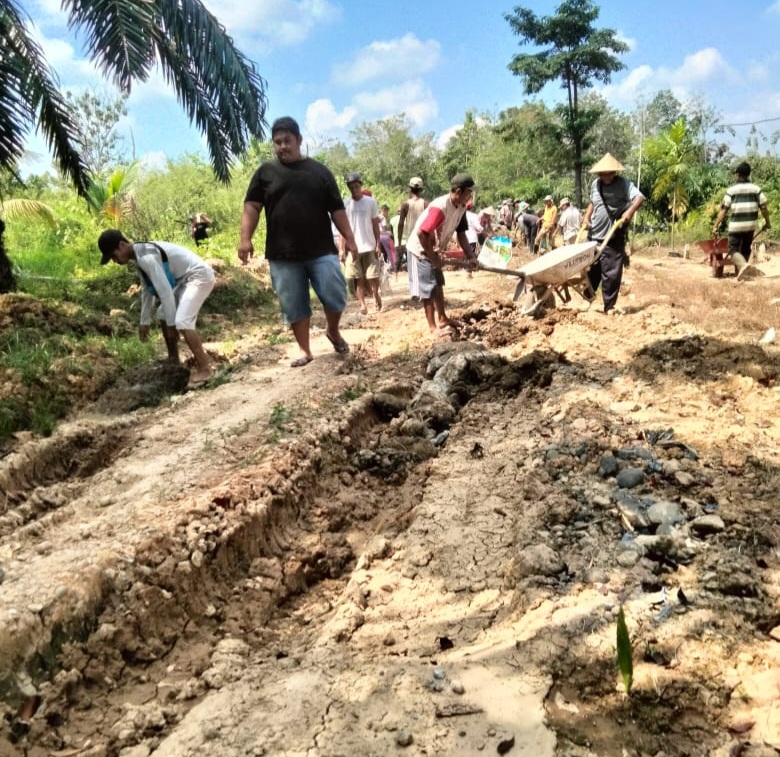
<point>423,277</point>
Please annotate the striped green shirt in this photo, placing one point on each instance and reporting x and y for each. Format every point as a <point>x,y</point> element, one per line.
<point>744,200</point>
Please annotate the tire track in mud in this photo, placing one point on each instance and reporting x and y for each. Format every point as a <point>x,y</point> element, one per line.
<point>308,604</point>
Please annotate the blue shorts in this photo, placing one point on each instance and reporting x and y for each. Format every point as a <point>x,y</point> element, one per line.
<point>291,279</point>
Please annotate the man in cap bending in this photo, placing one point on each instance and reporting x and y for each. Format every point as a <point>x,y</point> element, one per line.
<point>445,215</point>
<point>744,199</point>
<point>612,198</point>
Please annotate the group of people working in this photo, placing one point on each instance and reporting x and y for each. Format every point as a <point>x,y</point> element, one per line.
<point>302,204</point>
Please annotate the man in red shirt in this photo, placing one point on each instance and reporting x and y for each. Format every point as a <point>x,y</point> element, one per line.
<point>443,217</point>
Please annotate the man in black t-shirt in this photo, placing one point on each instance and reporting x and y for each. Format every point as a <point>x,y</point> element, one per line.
<point>300,197</point>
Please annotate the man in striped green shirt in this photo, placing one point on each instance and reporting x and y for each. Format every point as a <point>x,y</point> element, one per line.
<point>744,199</point>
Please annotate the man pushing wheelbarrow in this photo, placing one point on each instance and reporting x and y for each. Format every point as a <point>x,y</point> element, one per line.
<point>744,199</point>
<point>613,199</point>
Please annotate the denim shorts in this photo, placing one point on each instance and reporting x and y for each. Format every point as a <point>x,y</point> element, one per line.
<point>291,280</point>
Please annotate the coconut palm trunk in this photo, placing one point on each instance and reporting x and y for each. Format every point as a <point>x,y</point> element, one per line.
<point>7,279</point>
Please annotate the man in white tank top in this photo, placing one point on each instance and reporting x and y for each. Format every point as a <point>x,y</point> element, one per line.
<point>411,210</point>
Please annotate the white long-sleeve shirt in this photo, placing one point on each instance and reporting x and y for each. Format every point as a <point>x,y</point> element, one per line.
<point>184,265</point>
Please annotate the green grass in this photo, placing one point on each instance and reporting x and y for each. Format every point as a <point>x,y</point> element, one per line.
<point>279,423</point>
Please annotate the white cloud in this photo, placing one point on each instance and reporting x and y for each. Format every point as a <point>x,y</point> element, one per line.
<point>413,98</point>
<point>276,23</point>
<point>698,70</point>
<point>73,71</point>
<point>774,8</point>
<point>390,60</point>
<point>630,41</point>
<point>154,161</point>
<point>322,118</point>
<point>447,135</point>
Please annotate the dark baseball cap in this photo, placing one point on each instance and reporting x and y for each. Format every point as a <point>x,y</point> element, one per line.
<point>462,181</point>
<point>108,241</point>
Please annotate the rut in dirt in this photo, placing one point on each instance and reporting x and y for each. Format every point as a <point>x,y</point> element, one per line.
<point>281,539</point>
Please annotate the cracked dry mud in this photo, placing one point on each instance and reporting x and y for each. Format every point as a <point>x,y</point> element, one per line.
<point>419,549</point>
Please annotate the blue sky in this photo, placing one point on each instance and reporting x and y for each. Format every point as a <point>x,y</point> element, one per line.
<point>333,64</point>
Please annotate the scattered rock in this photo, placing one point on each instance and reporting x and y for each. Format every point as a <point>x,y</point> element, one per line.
<point>505,744</point>
<point>608,466</point>
<point>629,478</point>
<point>632,511</point>
<point>403,738</point>
<point>664,513</point>
<point>536,560</point>
<point>705,525</point>
<point>684,479</point>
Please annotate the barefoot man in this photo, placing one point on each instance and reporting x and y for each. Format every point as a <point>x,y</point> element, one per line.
<point>179,279</point>
<point>436,224</point>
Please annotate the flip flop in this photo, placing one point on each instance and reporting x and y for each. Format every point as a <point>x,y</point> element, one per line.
<point>299,362</point>
<point>339,344</point>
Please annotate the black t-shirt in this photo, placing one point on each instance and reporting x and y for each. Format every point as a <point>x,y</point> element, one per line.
<point>298,199</point>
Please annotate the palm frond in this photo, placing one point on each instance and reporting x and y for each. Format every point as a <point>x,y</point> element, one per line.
<point>219,89</point>
<point>28,210</point>
<point>29,94</point>
<point>119,36</point>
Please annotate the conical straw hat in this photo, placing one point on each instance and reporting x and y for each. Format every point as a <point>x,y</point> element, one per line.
<point>607,164</point>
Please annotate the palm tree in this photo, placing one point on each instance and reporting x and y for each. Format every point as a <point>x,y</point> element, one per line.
<point>674,155</point>
<point>114,200</point>
<point>219,89</point>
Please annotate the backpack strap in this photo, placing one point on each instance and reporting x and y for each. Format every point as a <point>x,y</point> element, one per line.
<point>164,257</point>
<point>617,215</point>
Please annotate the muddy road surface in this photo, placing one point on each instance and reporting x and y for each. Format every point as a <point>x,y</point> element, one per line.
<point>420,548</point>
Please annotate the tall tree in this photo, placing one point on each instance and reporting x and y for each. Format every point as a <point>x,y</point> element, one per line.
<point>217,86</point>
<point>673,154</point>
<point>576,53</point>
<point>97,115</point>
<point>385,152</point>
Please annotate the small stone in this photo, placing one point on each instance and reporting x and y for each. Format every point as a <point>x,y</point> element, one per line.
<point>404,738</point>
<point>664,513</point>
<point>632,511</point>
<point>775,633</point>
<point>608,466</point>
<point>684,479</point>
<point>439,674</point>
<point>671,467</point>
<point>629,478</point>
<point>707,524</point>
<point>628,558</point>
<point>197,558</point>
<point>389,640</point>
<point>457,687</point>
<point>633,453</point>
<point>505,744</point>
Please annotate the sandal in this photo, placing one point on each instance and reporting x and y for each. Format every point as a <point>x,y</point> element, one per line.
<point>340,345</point>
<point>299,362</point>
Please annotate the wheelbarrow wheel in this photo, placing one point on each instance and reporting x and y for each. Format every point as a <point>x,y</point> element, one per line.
<point>717,265</point>
<point>531,300</point>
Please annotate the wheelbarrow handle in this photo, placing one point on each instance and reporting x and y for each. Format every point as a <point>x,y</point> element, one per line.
<point>483,267</point>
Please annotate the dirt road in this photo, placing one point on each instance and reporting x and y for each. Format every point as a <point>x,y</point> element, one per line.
<point>418,549</point>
